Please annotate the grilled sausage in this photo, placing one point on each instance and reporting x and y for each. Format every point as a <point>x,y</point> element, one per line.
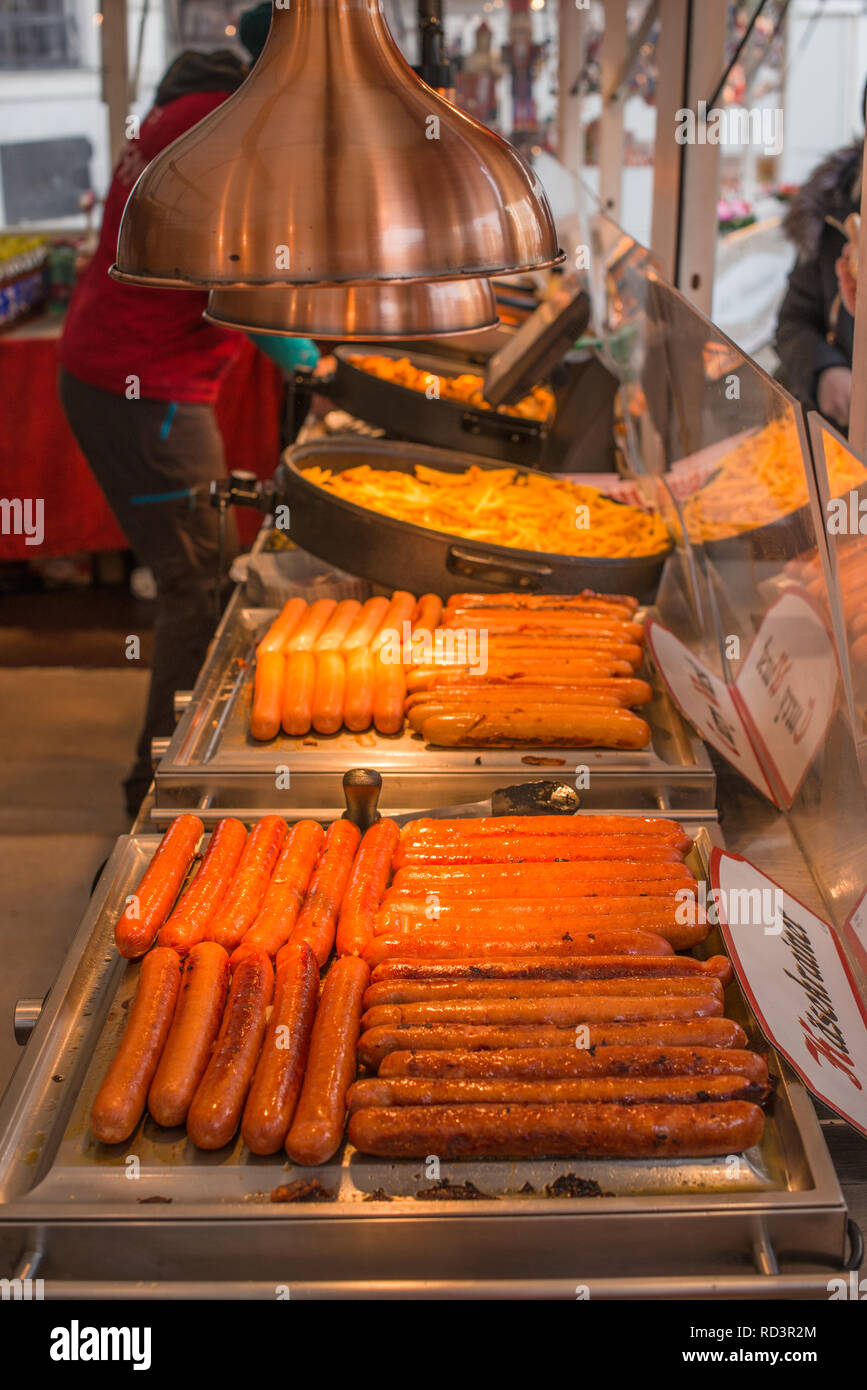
<point>565,622</point>
<point>583,824</point>
<point>500,879</point>
<point>586,599</point>
<point>483,851</point>
<point>542,968</point>
<point>440,945</point>
<point>555,1063</point>
<point>120,1100</point>
<point>285,893</point>
<point>141,919</point>
<point>421,707</point>
<point>622,691</point>
<point>280,1070</point>
<point>376,1043</point>
<point>525,1131</point>
<point>239,907</point>
<point>219,1099</point>
<point>657,918</point>
<point>317,1127</point>
<point>534,915</point>
<point>199,903</point>
<point>562,1011</point>
<point>422,991</point>
<point>370,874</point>
<point>427,614</point>
<point>195,1024</point>
<point>317,923</point>
<point>612,1090</point>
<point>573,670</point>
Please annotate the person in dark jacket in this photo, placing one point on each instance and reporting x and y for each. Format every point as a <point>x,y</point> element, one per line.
<point>815,328</point>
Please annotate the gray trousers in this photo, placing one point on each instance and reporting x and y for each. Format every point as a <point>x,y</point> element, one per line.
<point>139,448</point>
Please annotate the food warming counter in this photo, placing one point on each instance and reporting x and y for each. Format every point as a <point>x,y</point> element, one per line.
<point>156,1217</point>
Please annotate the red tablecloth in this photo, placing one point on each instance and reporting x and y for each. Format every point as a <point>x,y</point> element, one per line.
<point>40,458</point>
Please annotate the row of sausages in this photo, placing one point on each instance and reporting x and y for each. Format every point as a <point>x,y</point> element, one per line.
<point>215,1049</point>
<point>252,891</point>
<point>545,1012</point>
<point>540,883</point>
<point>548,925</point>
<point>675,1079</point>
<point>215,1040</point>
<point>483,1058</point>
<point>327,665</point>
<point>558,670</point>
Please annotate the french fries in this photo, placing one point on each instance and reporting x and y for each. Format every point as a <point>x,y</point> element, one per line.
<point>502,507</point>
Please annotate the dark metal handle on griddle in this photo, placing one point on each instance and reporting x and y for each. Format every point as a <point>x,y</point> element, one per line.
<point>522,574</point>
<point>513,427</point>
<point>361,788</point>
<point>241,489</point>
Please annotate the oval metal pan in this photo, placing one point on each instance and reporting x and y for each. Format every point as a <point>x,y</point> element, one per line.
<point>399,554</point>
<point>410,414</point>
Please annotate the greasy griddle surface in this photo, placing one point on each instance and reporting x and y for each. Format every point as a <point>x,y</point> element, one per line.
<point>157,1166</point>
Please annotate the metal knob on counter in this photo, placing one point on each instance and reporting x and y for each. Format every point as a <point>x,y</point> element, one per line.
<point>26,1017</point>
<point>181,702</point>
<point>361,788</point>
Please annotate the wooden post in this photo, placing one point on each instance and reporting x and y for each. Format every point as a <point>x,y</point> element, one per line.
<point>115,72</point>
<point>614,38</point>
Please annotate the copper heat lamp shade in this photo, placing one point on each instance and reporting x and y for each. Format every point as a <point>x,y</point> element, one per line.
<point>421,309</point>
<point>334,156</point>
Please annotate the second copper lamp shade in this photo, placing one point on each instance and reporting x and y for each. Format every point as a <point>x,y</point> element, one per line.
<point>421,309</point>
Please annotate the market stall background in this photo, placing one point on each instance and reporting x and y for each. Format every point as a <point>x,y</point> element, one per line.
<point>40,458</point>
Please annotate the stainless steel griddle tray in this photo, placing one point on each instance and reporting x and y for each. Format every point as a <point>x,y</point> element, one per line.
<point>166,1220</point>
<point>212,762</point>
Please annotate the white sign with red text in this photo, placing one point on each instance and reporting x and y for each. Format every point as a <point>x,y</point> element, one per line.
<point>787,689</point>
<point>706,701</point>
<point>798,983</point>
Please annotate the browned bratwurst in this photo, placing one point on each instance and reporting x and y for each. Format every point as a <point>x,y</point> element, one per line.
<point>280,1070</point>
<point>439,945</point>
<point>376,1043</point>
<point>420,991</point>
<point>614,1090</point>
<point>120,1100</point>
<point>195,1025</point>
<point>595,967</point>
<point>560,1011</point>
<point>561,1063</point>
<point>528,1131</point>
<point>216,1108</point>
<point>317,1126</point>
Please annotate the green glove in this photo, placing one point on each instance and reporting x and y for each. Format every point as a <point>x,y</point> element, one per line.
<point>288,353</point>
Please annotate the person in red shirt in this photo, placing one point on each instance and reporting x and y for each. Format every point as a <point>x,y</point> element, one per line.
<point>140,372</point>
